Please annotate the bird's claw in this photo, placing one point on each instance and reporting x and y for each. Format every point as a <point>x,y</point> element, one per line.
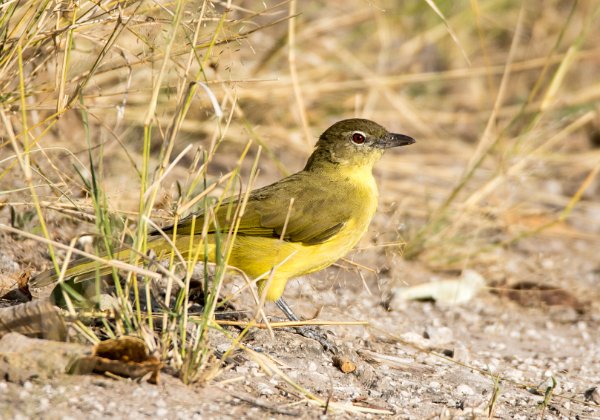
<point>319,336</point>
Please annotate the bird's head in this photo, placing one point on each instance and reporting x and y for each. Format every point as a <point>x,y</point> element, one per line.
<point>354,142</point>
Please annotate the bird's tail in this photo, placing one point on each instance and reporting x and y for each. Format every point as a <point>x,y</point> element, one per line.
<point>82,269</point>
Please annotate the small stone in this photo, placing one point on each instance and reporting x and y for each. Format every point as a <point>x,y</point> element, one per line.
<point>374,393</point>
<point>434,385</point>
<point>265,389</point>
<point>252,365</point>
<point>593,394</point>
<point>440,336</point>
<point>44,403</point>
<point>414,338</point>
<point>461,353</point>
<point>463,389</point>
<point>223,347</point>
<point>242,369</point>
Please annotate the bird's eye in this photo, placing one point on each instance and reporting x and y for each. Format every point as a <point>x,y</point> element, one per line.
<point>358,138</point>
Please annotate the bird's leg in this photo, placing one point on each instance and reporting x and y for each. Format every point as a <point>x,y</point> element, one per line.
<point>285,308</point>
<point>313,333</point>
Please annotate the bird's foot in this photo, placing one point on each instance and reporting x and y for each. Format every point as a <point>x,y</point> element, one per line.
<point>314,333</point>
<point>319,336</point>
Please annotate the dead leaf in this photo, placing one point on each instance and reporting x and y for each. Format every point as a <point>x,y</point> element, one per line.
<point>529,293</point>
<point>125,356</point>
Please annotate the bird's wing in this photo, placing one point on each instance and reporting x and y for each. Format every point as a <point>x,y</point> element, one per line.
<point>310,221</point>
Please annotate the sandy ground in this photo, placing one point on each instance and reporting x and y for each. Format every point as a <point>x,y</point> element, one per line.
<point>414,360</point>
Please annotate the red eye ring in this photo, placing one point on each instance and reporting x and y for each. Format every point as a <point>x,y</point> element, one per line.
<point>358,138</point>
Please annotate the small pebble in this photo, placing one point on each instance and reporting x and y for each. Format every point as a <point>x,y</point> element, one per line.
<point>593,394</point>
<point>463,389</point>
<point>265,389</point>
<point>434,385</point>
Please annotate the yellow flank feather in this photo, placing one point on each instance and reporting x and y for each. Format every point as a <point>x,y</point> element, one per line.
<point>333,201</point>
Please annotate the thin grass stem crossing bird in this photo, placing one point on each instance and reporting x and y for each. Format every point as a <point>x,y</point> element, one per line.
<point>296,226</point>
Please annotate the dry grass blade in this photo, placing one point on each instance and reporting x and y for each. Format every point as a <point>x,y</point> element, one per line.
<point>120,118</point>
<point>450,31</point>
<point>113,263</point>
<point>294,74</point>
<point>290,323</point>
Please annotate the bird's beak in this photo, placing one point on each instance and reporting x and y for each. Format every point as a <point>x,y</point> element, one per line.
<point>394,140</point>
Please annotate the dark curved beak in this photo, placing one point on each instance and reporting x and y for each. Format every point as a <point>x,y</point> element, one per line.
<point>394,140</point>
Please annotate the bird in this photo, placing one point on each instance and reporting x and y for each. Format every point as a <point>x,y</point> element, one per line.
<point>296,226</point>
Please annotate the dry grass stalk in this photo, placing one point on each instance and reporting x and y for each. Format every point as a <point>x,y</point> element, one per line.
<point>116,90</point>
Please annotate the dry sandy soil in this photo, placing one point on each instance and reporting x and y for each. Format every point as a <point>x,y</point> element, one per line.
<point>417,359</point>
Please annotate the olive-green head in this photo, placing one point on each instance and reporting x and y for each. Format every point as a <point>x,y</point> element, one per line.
<point>354,142</point>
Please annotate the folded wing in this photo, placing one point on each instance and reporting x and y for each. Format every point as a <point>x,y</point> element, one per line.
<point>317,213</point>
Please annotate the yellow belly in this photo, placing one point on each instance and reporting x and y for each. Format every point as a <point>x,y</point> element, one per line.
<point>275,261</point>
<point>258,256</point>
